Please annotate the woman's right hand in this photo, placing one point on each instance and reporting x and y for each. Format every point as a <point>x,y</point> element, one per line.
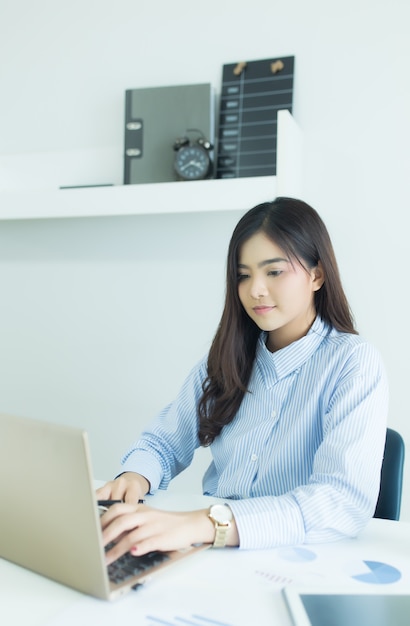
<point>130,487</point>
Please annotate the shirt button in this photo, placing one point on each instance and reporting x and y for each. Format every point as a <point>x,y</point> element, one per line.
<point>273,414</point>
<point>254,457</point>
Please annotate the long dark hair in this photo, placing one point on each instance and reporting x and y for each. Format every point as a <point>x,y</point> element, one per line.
<point>299,231</point>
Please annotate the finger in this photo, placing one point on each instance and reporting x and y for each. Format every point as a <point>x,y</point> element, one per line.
<point>149,544</point>
<point>138,542</point>
<point>127,529</point>
<point>104,492</point>
<point>123,519</point>
<point>122,546</point>
<point>123,539</point>
<point>126,487</point>
<point>118,489</point>
<point>133,493</point>
<point>115,513</point>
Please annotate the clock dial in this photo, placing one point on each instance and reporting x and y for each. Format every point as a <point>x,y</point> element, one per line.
<point>192,163</point>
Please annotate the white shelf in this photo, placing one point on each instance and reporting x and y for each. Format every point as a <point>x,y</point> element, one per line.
<point>174,197</point>
<point>184,197</point>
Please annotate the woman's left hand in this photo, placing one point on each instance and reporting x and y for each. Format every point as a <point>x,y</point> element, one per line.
<point>139,529</point>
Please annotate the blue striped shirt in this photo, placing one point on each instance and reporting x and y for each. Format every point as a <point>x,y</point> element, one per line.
<point>301,460</point>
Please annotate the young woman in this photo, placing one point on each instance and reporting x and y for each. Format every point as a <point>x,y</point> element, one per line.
<point>291,401</point>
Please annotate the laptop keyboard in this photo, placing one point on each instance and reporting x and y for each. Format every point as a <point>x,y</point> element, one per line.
<point>128,565</point>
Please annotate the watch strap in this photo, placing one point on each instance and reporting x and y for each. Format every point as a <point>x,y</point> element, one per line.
<point>221,535</point>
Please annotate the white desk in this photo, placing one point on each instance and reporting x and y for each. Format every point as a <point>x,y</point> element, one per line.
<point>230,587</point>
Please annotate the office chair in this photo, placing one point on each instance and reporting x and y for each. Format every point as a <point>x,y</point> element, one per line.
<point>391,480</point>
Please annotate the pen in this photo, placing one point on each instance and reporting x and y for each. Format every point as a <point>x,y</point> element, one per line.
<point>111,502</point>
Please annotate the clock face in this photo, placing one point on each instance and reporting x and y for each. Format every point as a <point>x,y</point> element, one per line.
<point>192,163</point>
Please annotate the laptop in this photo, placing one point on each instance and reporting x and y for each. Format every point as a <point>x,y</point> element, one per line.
<point>50,520</point>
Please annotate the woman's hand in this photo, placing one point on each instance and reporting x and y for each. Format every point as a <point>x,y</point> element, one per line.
<point>140,529</point>
<point>129,487</point>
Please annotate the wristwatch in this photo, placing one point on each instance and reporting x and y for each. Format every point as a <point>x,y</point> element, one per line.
<point>221,516</point>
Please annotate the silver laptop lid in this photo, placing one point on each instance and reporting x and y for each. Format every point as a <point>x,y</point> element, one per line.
<point>50,521</point>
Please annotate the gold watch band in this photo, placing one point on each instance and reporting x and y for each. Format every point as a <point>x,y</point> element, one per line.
<point>221,535</point>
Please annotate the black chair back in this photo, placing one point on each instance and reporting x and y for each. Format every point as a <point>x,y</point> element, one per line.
<point>391,481</point>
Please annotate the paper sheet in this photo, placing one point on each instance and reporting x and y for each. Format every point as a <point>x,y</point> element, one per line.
<point>241,588</point>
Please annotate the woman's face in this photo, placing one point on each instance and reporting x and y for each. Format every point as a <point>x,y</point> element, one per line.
<point>278,295</point>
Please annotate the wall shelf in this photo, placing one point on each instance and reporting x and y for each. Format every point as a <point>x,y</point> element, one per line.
<point>159,198</point>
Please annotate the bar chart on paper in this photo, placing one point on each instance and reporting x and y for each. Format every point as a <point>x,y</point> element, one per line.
<point>190,620</point>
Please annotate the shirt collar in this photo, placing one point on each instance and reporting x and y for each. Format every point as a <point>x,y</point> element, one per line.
<point>276,365</point>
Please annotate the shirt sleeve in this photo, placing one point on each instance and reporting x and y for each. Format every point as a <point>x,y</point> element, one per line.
<point>341,493</point>
<point>167,446</point>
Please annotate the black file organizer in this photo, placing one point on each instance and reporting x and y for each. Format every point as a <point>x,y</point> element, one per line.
<point>252,94</point>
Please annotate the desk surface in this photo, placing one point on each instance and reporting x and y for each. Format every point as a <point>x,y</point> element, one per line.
<point>225,588</point>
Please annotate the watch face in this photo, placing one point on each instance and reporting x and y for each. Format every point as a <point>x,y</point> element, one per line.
<point>192,163</point>
<point>221,513</point>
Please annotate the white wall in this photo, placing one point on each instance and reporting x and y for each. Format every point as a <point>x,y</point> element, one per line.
<point>101,319</point>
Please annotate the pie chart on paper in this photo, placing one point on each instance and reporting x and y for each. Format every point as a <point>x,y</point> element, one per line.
<point>296,554</point>
<point>375,573</point>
